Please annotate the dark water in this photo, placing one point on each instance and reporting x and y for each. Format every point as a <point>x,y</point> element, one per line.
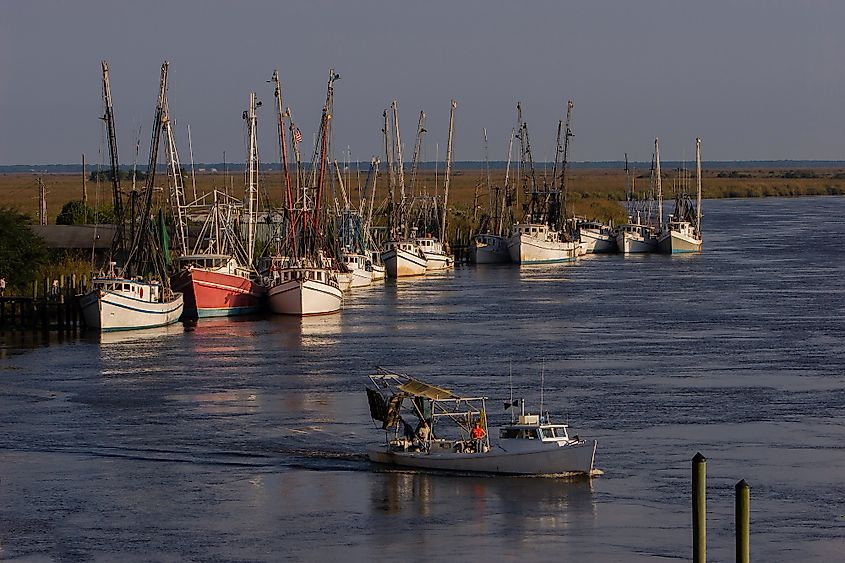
<point>243,440</point>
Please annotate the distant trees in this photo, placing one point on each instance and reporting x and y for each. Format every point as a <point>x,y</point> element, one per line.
<point>75,212</point>
<point>106,175</point>
<point>22,252</point>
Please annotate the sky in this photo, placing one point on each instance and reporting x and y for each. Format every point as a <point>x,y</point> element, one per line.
<point>756,80</point>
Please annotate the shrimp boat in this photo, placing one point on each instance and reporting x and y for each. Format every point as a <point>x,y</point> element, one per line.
<point>542,237</point>
<point>119,303</point>
<point>122,299</point>
<point>217,275</point>
<point>596,238</point>
<point>305,276</point>
<point>452,433</point>
<point>682,234</point>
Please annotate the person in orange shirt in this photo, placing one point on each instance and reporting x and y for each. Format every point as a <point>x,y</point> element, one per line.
<point>477,434</point>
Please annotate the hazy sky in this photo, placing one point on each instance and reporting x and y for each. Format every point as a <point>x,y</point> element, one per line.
<point>753,79</point>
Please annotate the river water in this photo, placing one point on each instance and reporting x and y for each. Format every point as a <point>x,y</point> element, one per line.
<point>243,439</point>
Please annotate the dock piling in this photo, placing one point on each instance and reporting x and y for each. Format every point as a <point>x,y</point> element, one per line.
<point>743,551</point>
<point>699,508</point>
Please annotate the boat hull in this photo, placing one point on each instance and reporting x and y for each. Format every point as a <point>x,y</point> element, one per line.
<point>361,278</point>
<point>216,294</point>
<point>400,263</point>
<point>569,459</point>
<point>631,243</point>
<point>378,272</point>
<point>437,261</point>
<point>107,311</point>
<point>304,297</point>
<point>494,251</point>
<point>525,249</point>
<point>673,242</point>
<point>597,243</point>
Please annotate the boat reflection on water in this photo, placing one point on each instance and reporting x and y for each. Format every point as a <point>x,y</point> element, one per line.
<point>306,332</point>
<point>525,503</point>
<point>133,336</point>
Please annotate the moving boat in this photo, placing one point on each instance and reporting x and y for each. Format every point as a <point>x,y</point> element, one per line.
<point>123,299</point>
<point>452,433</point>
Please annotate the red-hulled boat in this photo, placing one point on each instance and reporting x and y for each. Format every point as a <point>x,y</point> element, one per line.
<point>216,286</point>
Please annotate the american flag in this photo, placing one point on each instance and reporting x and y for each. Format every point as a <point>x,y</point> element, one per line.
<point>297,135</point>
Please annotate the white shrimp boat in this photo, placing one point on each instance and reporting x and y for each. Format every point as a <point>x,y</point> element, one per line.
<point>536,243</point>
<point>435,255</point>
<point>528,445</point>
<point>304,289</point>
<point>404,258</point>
<point>489,249</point>
<point>682,234</point>
<point>360,267</point>
<point>116,303</point>
<point>596,238</point>
<point>678,237</point>
<point>632,238</point>
<point>379,271</point>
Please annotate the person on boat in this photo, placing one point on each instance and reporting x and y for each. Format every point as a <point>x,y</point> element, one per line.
<point>477,434</point>
<point>423,432</point>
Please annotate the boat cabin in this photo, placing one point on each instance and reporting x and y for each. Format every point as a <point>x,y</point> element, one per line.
<point>538,231</point>
<point>148,292</point>
<point>305,274</point>
<point>219,263</point>
<point>682,227</point>
<point>357,262</point>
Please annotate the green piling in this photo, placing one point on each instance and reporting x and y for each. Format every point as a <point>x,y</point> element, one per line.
<point>743,551</point>
<point>699,508</point>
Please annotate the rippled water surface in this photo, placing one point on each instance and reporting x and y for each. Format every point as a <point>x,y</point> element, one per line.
<point>244,440</point>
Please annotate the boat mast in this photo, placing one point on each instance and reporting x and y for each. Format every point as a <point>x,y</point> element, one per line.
<point>567,135</point>
<point>251,194</point>
<point>659,184</point>
<point>507,189</point>
<point>374,166</point>
<point>490,197</point>
<point>400,167</point>
<point>324,140</point>
<point>698,185</point>
<point>283,146</point>
<point>388,155</point>
<point>453,106</point>
<point>177,186</point>
<point>417,150</point>
<point>191,153</point>
<point>119,242</point>
<point>150,259</point>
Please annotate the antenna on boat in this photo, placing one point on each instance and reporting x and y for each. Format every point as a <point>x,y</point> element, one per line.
<point>510,384</point>
<point>542,384</point>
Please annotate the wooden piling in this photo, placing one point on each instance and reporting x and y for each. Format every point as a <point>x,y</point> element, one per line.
<point>743,551</point>
<point>699,508</point>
